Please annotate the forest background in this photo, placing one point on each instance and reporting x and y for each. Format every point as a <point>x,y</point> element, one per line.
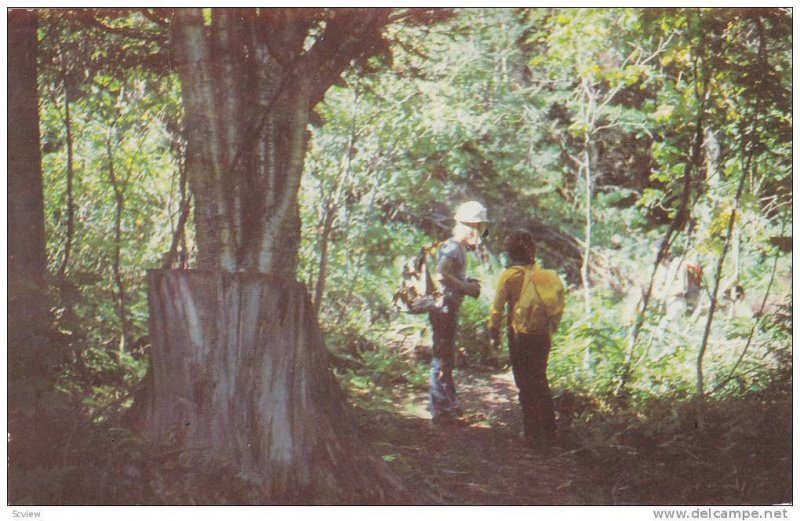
<point>602,131</point>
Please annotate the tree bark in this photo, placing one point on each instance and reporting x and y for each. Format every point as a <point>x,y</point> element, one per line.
<point>240,378</point>
<point>32,355</point>
<point>179,229</point>
<point>27,259</point>
<point>239,371</point>
<point>246,145</point>
<point>204,146</point>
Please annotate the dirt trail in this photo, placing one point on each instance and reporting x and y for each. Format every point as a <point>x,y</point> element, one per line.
<point>481,460</point>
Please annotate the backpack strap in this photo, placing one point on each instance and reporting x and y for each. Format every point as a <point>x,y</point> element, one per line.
<point>422,263</point>
<point>433,247</point>
<point>424,252</point>
<point>539,295</point>
<point>541,300</point>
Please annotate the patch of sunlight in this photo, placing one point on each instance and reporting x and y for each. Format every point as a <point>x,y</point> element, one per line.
<point>507,377</point>
<point>417,408</point>
<point>492,398</point>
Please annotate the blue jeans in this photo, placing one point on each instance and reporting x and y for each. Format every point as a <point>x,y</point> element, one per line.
<point>443,388</point>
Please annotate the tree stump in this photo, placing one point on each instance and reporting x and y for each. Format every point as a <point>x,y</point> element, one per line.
<point>240,377</point>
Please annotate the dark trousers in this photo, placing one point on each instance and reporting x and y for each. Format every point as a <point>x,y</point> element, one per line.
<point>443,388</point>
<point>444,325</point>
<point>529,355</point>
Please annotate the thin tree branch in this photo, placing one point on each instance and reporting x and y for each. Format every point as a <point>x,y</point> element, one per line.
<point>332,207</point>
<point>116,265</point>
<point>675,225</point>
<point>90,20</point>
<point>756,324</point>
<point>67,119</point>
<point>748,151</point>
<point>152,15</point>
<point>347,36</point>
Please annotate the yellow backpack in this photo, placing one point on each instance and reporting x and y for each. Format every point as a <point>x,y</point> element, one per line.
<point>541,303</point>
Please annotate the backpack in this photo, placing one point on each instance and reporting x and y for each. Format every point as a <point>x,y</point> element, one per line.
<point>540,305</point>
<point>418,292</point>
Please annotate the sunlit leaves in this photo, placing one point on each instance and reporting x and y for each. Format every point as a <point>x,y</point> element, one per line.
<point>651,197</point>
<point>119,119</point>
<point>664,113</point>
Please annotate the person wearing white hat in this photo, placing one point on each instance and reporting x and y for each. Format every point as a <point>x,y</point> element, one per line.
<point>470,227</point>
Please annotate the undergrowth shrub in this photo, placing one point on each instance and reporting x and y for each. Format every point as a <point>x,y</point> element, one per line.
<point>654,452</point>
<point>104,464</point>
<point>372,368</point>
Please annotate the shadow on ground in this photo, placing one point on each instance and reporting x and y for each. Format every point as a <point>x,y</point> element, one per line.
<point>481,459</point>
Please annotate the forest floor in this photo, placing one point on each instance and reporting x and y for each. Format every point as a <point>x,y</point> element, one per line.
<point>481,459</point>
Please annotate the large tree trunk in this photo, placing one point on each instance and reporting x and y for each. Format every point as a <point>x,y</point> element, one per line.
<point>240,377</point>
<point>248,86</point>
<point>239,369</point>
<point>34,436</point>
<point>27,260</point>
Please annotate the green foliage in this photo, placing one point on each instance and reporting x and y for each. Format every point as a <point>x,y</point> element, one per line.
<point>123,159</point>
<point>473,336</point>
<point>374,371</point>
<point>653,453</point>
<point>502,116</point>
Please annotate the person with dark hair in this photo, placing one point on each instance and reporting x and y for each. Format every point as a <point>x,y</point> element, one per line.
<point>529,347</point>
